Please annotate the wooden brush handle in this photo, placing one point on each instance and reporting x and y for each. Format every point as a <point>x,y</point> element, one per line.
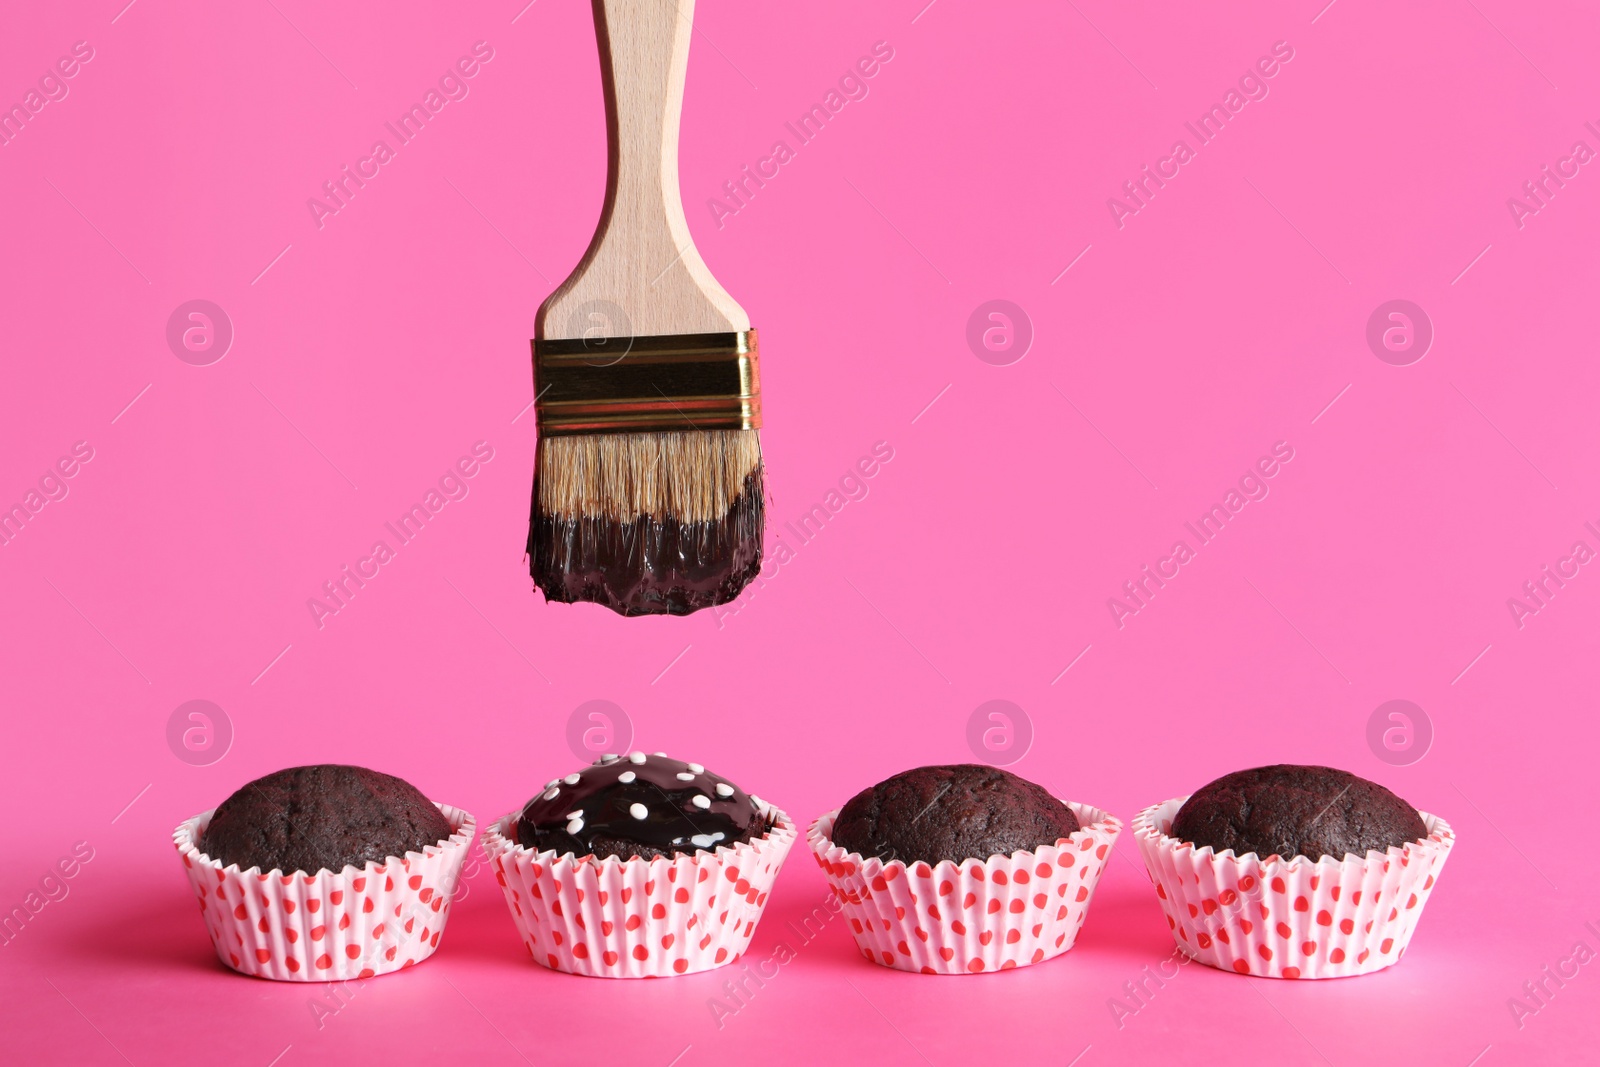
<point>642,262</point>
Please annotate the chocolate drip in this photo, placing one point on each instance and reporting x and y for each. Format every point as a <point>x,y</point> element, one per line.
<point>639,805</point>
<point>648,566</point>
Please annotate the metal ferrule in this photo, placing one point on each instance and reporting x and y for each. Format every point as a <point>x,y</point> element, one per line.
<point>675,382</point>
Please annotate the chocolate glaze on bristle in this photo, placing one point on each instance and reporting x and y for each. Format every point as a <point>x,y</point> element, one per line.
<point>648,566</point>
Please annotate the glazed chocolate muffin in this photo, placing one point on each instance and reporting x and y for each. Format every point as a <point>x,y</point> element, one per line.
<point>1290,811</point>
<point>322,817</point>
<point>639,805</point>
<point>958,812</point>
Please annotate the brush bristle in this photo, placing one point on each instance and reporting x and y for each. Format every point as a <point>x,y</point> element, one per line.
<point>647,523</point>
<point>689,477</point>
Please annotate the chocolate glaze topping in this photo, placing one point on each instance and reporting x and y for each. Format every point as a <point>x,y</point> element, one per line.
<point>648,566</point>
<point>639,805</point>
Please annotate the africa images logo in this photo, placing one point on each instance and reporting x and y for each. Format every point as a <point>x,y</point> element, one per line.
<point>453,86</point>
<point>1139,591</point>
<point>1252,86</point>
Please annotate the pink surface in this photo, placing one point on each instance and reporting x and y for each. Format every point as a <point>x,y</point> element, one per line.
<point>1172,348</point>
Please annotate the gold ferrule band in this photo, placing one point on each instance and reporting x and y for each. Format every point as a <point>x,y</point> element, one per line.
<point>674,382</point>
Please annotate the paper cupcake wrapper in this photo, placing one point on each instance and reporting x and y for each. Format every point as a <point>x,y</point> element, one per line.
<point>1294,918</point>
<point>969,917</point>
<point>328,926</point>
<point>638,918</point>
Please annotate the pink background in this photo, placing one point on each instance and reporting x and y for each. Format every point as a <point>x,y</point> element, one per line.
<point>1225,316</point>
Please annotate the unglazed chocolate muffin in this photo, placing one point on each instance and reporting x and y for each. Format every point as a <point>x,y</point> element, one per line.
<point>1288,810</point>
<point>320,817</point>
<point>957,812</point>
<point>639,805</point>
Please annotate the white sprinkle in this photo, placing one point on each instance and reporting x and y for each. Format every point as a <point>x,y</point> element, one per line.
<point>637,757</point>
<point>658,753</point>
<point>552,782</point>
<point>575,827</point>
<point>724,789</point>
<point>685,776</point>
<point>702,841</point>
<point>638,811</point>
<point>696,768</point>
<point>550,794</point>
<point>572,779</point>
<point>608,757</point>
<point>576,814</point>
<point>701,802</point>
<point>626,776</point>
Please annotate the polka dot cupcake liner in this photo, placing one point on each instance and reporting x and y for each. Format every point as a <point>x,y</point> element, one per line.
<point>328,926</point>
<point>1294,918</point>
<point>638,918</point>
<point>969,917</point>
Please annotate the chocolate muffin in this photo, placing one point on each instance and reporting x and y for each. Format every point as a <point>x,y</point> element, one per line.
<point>1288,811</point>
<point>322,817</point>
<point>958,812</point>
<point>639,805</point>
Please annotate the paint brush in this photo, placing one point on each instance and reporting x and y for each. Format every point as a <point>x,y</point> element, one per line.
<point>647,490</point>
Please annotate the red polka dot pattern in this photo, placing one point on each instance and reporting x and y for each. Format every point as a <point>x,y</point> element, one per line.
<point>1008,912</point>
<point>329,926</point>
<point>1329,919</point>
<point>638,918</point>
